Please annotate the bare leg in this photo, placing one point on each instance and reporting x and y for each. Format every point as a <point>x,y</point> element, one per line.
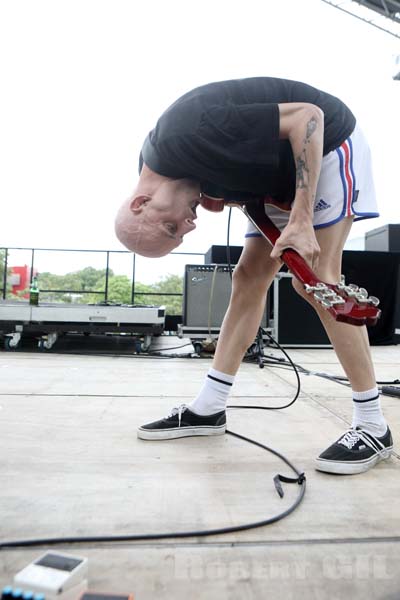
<point>351,343</point>
<point>251,280</point>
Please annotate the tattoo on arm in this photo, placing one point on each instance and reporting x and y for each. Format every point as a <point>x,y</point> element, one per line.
<point>302,169</point>
<point>311,127</point>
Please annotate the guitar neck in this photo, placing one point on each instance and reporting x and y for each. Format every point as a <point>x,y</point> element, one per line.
<point>348,304</point>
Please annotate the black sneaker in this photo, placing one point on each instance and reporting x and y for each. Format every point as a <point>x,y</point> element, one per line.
<point>182,422</point>
<point>355,452</point>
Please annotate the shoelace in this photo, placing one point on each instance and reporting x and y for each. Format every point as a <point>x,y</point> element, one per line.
<point>352,436</point>
<point>178,410</point>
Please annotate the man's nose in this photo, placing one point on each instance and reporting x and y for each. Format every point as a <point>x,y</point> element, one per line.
<point>188,225</point>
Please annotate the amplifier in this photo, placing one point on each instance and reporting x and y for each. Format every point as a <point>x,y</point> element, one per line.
<point>207,292</point>
<point>206,295</point>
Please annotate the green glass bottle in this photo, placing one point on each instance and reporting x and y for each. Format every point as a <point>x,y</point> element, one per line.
<point>34,292</point>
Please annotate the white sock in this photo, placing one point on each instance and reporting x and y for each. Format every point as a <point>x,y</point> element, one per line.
<point>367,412</point>
<point>213,396</point>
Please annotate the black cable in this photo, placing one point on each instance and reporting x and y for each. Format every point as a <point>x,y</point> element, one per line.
<point>165,349</point>
<point>228,255</point>
<point>390,390</point>
<point>153,355</point>
<point>161,355</point>
<point>300,479</point>
<point>336,378</point>
<point>294,367</point>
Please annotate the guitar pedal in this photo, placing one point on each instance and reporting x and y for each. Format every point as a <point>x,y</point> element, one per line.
<point>53,574</point>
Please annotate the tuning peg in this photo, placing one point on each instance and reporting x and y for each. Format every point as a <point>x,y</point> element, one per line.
<point>329,293</point>
<point>351,290</point>
<point>320,297</point>
<point>362,292</point>
<point>362,295</point>
<point>337,299</point>
<point>318,287</point>
<point>374,300</point>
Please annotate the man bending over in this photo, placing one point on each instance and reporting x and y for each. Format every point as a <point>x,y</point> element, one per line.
<point>303,150</point>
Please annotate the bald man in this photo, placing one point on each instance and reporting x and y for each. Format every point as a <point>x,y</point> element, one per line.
<point>302,149</point>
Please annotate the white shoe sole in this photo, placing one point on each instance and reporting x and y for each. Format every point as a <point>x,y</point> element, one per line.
<point>178,432</point>
<point>350,468</point>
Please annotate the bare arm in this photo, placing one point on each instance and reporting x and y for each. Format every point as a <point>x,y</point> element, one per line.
<point>303,125</point>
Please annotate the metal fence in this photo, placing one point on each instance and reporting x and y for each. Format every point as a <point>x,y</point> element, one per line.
<point>106,253</point>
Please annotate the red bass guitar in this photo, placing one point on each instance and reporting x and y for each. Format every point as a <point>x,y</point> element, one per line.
<point>346,303</point>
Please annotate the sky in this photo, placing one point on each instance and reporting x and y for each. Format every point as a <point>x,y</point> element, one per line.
<point>83,81</point>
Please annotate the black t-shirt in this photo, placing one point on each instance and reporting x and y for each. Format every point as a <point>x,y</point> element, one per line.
<point>226,136</point>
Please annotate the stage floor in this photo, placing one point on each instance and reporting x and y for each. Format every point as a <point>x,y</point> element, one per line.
<point>71,465</point>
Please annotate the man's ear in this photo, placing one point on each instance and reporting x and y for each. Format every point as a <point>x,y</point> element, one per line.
<point>137,202</point>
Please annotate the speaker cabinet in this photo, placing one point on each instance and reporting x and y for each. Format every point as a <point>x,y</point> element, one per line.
<point>396,319</point>
<point>295,322</point>
<point>219,255</point>
<point>378,272</point>
<point>384,239</point>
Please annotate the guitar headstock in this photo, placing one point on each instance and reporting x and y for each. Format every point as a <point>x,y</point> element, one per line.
<point>346,303</point>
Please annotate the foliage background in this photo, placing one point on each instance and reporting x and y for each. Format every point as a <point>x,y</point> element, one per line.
<point>87,286</point>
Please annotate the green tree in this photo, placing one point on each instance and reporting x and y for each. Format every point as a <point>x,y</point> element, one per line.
<point>119,288</point>
<point>120,291</point>
<point>87,279</point>
<point>170,284</point>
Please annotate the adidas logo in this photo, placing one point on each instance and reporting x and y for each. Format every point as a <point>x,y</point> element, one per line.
<point>321,205</point>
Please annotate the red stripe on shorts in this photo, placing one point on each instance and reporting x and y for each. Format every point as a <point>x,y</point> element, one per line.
<point>349,179</point>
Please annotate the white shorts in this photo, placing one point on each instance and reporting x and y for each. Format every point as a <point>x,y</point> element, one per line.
<point>345,187</point>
